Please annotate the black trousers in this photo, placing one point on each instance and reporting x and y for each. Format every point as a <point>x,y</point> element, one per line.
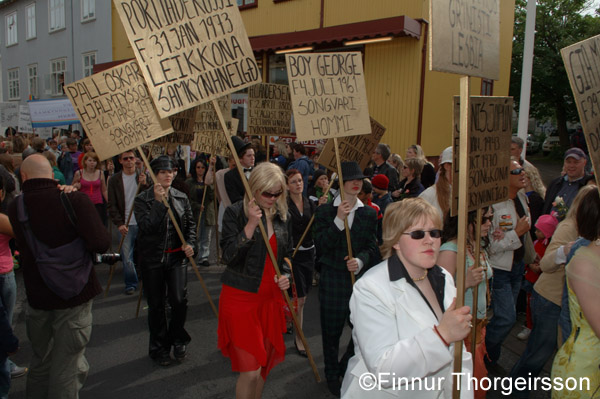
<point>169,280</point>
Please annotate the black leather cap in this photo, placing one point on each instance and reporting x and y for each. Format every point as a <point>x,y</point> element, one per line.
<point>163,162</point>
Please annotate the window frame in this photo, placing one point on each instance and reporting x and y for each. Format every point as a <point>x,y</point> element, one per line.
<point>30,22</point>
<point>89,68</point>
<point>487,87</point>
<point>33,80</point>
<point>92,6</point>
<point>54,8</point>
<point>12,32</point>
<point>55,90</point>
<point>14,84</point>
<point>246,5</point>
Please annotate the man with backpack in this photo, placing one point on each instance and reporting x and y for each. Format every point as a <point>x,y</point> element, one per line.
<point>59,317</point>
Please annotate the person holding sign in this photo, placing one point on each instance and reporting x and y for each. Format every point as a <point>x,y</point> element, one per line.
<point>335,286</point>
<point>163,260</point>
<point>404,314</point>
<point>251,319</point>
<point>233,182</point>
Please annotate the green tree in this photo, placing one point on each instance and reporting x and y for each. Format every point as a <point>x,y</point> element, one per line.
<point>559,23</point>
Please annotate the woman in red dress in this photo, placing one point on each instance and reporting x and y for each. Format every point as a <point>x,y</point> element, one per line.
<point>251,318</point>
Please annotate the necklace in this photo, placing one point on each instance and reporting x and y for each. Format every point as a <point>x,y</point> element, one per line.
<point>421,278</point>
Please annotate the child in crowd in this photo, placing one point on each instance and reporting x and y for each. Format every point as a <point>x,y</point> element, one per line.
<point>381,194</point>
<point>366,196</point>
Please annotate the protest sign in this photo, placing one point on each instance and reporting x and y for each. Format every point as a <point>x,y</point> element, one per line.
<point>488,151</point>
<point>24,120</point>
<point>353,148</point>
<point>192,52</point>
<point>116,110</point>
<point>214,142</point>
<point>9,114</point>
<point>328,94</point>
<point>207,119</point>
<point>582,62</point>
<point>269,110</point>
<point>52,113</point>
<point>183,129</point>
<point>465,37</point>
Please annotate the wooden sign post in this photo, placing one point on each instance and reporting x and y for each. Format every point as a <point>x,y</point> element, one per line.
<point>582,62</point>
<point>464,39</point>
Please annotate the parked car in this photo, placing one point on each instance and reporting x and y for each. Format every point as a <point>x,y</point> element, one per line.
<point>533,145</point>
<point>551,141</point>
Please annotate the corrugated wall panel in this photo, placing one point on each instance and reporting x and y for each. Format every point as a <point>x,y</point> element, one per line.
<point>287,16</point>
<point>339,12</point>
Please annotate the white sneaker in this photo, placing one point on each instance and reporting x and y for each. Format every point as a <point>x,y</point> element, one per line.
<point>523,335</point>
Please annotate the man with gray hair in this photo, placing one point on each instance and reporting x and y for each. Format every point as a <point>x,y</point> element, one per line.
<point>516,149</point>
<point>382,167</point>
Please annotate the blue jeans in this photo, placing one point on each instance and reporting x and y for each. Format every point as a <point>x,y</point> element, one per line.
<point>8,293</point>
<point>542,339</point>
<point>564,320</point>
<point>129,273</point>
<point>505,290</point>
<point>203,242</point>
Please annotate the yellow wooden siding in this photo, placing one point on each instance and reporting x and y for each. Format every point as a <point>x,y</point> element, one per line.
<point>288,16</point>
<point>392,78</point>
<point>339,12</point>
<point>120,43</point>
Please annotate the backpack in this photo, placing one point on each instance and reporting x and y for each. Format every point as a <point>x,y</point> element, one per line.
<point>65,269</point>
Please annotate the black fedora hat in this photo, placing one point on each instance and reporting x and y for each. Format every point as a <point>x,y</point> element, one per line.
<point>240,145</point>
<point>351,171</point>
<point>163,162</point>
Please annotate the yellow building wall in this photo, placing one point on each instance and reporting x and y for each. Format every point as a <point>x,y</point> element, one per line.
<point>339,12</point>
<point>288,16</point>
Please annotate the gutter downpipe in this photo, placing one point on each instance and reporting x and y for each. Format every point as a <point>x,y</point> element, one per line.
<point>424,24</point>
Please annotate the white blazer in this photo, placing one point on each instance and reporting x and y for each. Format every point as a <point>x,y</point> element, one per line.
<point>394,338</point>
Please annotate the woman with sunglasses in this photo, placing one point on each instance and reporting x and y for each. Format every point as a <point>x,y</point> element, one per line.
<point>477,274</point>
<point>404,314</point>
<point>251,319</point>
<point>410,186</point>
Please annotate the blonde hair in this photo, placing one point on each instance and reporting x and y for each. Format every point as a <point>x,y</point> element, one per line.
<point>400,216</point>
<point>443,189</point>
<point>416,165</point>
<point>282,148</point>
<point>536,180</point>
<point>265,177</point>
<point>396,158</point>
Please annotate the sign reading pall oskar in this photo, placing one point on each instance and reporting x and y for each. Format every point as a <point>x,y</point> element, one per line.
<point>488,152</point>
<point>328,93</point>
<point>582,62</point>
<point>191,51</point>
<point>116,110</point>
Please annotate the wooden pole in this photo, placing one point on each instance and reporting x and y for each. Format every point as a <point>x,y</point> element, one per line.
<point>341,180</point>
<point>463,176</point>
<point>139,301</point>
<point>476,255</point>
<point>266,241</point>
<point>201,210</point>
<point>180,234</point>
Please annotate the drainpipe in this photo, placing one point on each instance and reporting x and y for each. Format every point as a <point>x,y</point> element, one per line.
<point>424,31</point>
<point>322,17</point>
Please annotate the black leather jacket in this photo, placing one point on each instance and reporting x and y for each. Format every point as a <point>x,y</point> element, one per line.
<point>245,258</point>
<point>156,232</point>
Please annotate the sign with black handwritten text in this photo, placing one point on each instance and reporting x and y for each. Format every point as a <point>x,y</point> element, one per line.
<point>465,37</point>
<point>115,108</point>
<point>489,151</point>
<point>269,110</point>
<point>183,129</point>
<point>191,51</point>
<point>582,62</point>
<point>353,148</point>
<point>214,142</point>
<point>207,119</point>
<point>328,94</point>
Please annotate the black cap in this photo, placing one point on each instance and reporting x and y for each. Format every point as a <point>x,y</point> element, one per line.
<point>319,173</point>
<point>239,145</point>
<point>163,162</point>
<point>351,171</point>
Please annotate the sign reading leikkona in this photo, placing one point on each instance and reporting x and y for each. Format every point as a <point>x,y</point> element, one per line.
<point>269,110</point>
<point>191,51</point>
<point>353,148</point>
<point>582,62</point>
<point>328,93</point>
<point>465,37</point>
<point>489,158</point>
<point>115,108</point>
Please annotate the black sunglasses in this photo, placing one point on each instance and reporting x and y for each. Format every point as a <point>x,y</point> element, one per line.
<point>267,194</point>
<point>486,219</point>
<point>420,234</point>
<point>517,171</point>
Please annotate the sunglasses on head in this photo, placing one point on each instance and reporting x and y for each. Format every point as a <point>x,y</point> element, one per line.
<point>267,194</point>
<point>485,219</point>
<point>517,171</point>
<point>420,234</point>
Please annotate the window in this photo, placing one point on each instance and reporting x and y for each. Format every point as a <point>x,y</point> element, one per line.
<point>89,60</point>
<point>13,84</point>
<point>33,80</point>
<point>57,76</point>
<point>56,13</point>
<point>30,32</point>
<point>11,29</point>
<point>88,10</point>
<point>487,87</point>
<point>247,3</point>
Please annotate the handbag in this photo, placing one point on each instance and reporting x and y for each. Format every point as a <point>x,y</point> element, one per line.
<point>64,269</point>
<point>530,254</point>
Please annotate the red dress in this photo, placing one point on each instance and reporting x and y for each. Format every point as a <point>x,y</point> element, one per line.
<point>251,326</point>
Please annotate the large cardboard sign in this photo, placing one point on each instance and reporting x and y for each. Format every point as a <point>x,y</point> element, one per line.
<point>207,119</point>
<point>183,129</point>
<point>24,120</point>
<point>9,114</point>
<point>582,62</point>
<point>465,37</point>
<point>354,148</point>
<point>489,155</point>
<point>115,108</point>
<point>214,142</point>
<point>191,51</point>
<point>328,92</point>
<point>269,110</point>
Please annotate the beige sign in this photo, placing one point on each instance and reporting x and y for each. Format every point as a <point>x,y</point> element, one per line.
<point>269,110</point>
<point>488,152</point>
<point>115,108</point>
<point>353,148</point>
<point>582,62</point>
<point>214,141</point>
<point>465,37</point>
<point>192,51</point>
<point>183,129</point>
<point>328,93</point>
<point>207,120</point>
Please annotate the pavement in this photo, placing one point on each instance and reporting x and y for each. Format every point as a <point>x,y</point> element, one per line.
<point>120,366</point>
